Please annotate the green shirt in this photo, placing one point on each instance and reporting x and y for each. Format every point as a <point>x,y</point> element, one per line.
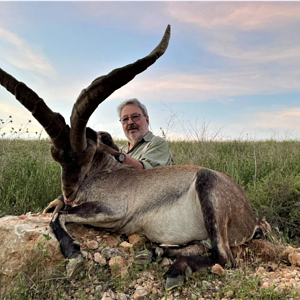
<point>152,151</point>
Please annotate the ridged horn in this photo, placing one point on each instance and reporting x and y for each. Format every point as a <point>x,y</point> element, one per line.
<point>104,86</point>
<point>53,123</point>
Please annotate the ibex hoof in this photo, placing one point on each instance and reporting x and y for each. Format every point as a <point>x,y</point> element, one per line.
<point>173,282</point>
<point>75,266</point>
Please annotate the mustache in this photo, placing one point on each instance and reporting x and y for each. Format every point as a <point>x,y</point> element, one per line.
<point>132,126</point>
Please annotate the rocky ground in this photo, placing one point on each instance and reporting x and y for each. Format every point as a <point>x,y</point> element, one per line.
<point>275,269</point>
<point>119,268</point>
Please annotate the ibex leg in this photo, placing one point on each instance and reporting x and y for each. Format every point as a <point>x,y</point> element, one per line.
<point>216,225</point>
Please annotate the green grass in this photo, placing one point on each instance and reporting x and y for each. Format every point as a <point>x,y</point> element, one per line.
<point>29,178</point>
<point>269,172</point>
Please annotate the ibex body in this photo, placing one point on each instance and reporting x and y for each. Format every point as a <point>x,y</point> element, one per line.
<point>171,205</point>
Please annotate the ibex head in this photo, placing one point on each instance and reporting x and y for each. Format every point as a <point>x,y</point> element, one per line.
<point>74,147</point>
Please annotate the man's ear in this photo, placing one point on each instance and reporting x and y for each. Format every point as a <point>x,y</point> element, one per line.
<point>147,119</point>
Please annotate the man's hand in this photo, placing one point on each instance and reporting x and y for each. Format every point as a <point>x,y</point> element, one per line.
<point>57,204</point>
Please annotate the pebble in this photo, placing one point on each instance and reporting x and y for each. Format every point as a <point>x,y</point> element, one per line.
<point>126,245</point>
<point>99,259</point>
<point>92,245</point>
<point>217,269</point>
<point>140,293</point>
<point>165,262</point>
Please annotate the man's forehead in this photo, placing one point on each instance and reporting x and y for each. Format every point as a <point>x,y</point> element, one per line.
<point>130,109</point>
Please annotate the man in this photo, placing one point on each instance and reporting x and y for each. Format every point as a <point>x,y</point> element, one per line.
<point>143,150</point>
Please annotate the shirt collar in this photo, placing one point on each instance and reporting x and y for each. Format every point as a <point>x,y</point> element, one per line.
<point>148,136</point>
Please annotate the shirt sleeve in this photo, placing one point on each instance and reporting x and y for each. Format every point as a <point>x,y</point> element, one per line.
<point>158,154</point>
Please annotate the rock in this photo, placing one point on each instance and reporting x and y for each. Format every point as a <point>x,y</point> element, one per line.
<point>132,284</point>
<point>92,245</point>
<point>294,258</point>
<point>134,238</point>
<point>25,239</point>
<point>286,252</point>
<point>121,296</point>
<point>230,294</point>
<point>118,266</point>
<point>140,293</point>
<point>271,267</point>
<point>84,253</point>
<point>276,281</point>
<point>260,271</point>
<point>106,297</point>
<point>266,285</point>
<point>110,294</point>
<point>111,252</point>
<point>165,262</point>
<point>146,274</point>
<point>217,269</point>
<point>143,257</point>
<point>296,285</point>
<point>98,288</point>
<point>126,245</point>
<point>278,289</point>
<point>99,258</point>
<point>159,251</point>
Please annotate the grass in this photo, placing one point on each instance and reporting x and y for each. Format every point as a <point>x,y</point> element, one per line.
<point>29,178</point>
<point>269,172</point>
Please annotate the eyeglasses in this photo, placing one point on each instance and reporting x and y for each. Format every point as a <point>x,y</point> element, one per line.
<point>134,118</point>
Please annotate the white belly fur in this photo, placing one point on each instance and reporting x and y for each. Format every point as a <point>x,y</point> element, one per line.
<point>181,223</point>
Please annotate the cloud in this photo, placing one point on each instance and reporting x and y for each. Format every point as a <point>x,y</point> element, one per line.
<point>176,87</point>
<point>238,15</point>
<point>285,119</point>
<point>148,15</point>
<point>248,32</point>
<point>20,54</point>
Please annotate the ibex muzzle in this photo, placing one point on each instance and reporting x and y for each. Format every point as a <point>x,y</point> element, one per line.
<point>171,205</point>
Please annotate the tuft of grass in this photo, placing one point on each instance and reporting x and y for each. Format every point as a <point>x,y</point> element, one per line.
<point>29,178</point>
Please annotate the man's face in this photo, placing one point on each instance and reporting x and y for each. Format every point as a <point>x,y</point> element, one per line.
<point>134,130</point>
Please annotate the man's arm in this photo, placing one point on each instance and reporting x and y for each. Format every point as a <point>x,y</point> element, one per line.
<point>158,154</point>
<point>136,164</point>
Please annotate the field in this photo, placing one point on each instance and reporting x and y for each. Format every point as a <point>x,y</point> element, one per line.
<point>268,171</point>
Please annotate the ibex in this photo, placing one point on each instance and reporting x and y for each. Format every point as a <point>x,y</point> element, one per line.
<point>171,205</point>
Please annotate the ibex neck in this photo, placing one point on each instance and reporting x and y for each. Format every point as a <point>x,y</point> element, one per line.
<point>105,163</point>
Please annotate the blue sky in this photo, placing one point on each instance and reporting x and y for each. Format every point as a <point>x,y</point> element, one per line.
<point>232,69</point>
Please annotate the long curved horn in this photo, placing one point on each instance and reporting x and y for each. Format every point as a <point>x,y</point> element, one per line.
<point>102,87</point>
<point>53,123</point>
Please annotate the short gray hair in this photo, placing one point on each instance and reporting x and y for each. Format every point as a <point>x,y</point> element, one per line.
<point>135,102</point>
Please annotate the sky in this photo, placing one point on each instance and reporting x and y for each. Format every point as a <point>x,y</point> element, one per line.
<point>231,71</point>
